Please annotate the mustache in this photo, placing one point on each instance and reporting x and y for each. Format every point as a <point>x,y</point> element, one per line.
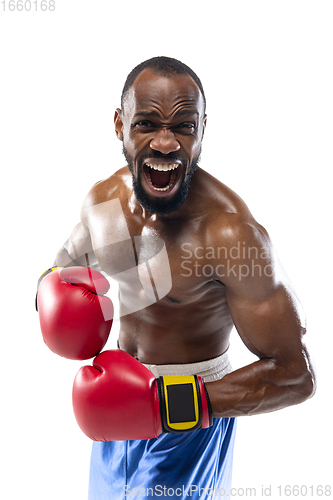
<point>156,154</point>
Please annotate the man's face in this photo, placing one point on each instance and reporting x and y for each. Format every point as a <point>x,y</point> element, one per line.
<point>161,126</point>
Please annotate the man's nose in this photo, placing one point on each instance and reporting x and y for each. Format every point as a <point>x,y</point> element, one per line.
<point>165,142</point>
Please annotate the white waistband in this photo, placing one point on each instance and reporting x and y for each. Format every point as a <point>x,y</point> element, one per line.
<point>210,370</point>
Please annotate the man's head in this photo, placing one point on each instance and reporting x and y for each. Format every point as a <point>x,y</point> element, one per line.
<point>161,124</point>
<point>166,66</point>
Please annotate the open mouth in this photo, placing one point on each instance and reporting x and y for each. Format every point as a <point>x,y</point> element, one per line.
<point>161,177</point>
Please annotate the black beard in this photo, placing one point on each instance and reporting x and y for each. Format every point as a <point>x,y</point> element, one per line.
<point>160,206</point>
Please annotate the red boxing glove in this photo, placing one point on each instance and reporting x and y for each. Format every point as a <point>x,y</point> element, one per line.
<point>75,317</point>
<point>119,399</point>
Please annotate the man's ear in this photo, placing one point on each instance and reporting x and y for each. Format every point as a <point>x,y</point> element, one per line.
<point>118,124</point>
<point>204,125</point>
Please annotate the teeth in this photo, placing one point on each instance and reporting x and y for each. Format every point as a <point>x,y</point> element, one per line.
<point>162,167</point>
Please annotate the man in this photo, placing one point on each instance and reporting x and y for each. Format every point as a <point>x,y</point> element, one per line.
<point>177,313</point>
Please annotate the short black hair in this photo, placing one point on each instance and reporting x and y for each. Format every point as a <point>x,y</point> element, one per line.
<point>165,66</point>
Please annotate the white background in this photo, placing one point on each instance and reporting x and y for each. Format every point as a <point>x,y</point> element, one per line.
<point>266,67</point>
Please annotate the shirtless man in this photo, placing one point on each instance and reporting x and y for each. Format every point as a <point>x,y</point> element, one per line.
<point>220,272</point>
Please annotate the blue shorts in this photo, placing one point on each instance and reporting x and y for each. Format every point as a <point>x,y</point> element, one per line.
<point>192,465</point>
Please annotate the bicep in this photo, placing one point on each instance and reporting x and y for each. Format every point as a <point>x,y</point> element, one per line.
<point>271,327</point>
<point>263,305</point>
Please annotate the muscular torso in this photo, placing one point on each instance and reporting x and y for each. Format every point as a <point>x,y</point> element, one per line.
<point>173,302</point>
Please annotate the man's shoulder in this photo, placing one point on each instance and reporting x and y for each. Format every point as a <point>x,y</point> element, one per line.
<point>230,220</point>
<point>218,196</point>
<point>108,189</point>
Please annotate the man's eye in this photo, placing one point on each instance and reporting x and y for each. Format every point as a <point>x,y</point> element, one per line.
<point>144,123</point>
<point>186,127</point>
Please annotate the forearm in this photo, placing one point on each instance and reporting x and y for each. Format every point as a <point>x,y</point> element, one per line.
<point>261,387</point>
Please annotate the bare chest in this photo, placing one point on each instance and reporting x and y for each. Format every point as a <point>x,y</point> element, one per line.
<point>151,260</point>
